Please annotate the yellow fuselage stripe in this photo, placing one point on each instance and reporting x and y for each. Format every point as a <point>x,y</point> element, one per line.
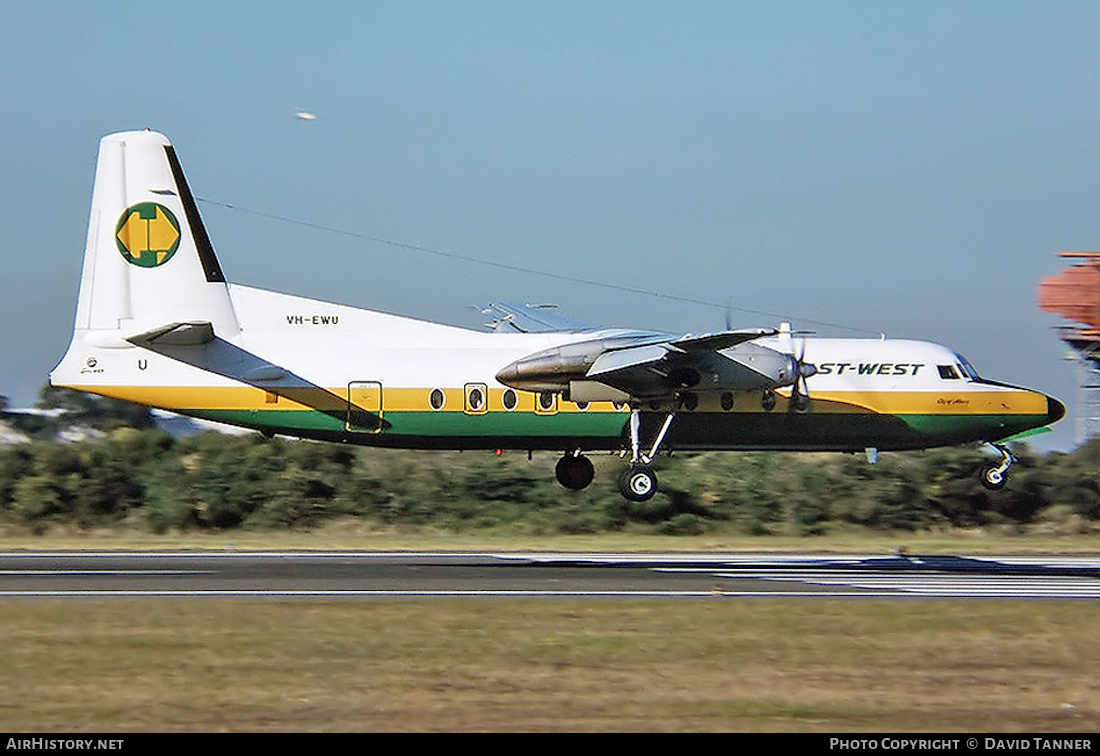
<point>1005,402</point>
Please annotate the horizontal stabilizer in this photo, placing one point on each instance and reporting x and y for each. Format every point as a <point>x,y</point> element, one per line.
<point>195,344</point>
<point>177,334</point>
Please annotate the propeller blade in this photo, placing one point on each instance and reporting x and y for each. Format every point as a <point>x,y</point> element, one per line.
<point>800,389</point>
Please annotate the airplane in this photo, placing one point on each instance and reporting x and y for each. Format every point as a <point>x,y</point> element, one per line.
<point>157,323</point>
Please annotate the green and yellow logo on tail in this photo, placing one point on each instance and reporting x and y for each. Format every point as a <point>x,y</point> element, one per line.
<point>147,234</point>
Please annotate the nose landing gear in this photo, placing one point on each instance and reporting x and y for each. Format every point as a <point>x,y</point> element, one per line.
<point>994,475</point>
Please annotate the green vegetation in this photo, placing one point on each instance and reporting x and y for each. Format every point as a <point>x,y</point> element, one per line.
<point>152,481</point>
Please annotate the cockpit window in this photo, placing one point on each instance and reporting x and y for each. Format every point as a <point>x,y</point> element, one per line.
<point>966,368</point>
<point>947,372</point>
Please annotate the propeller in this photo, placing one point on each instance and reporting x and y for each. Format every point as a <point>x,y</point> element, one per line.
<point>800,370</point>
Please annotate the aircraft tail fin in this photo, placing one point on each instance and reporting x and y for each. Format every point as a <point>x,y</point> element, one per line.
<point>148,261</point>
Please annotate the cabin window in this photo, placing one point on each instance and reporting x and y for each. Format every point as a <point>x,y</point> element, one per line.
<point>582,406</point>
<point>727,401</point>
<point>436,399</point>
<point>509,399</point>
<point>477,398</point>
<point>947,372</point>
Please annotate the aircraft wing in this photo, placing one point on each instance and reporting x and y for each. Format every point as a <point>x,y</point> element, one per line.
<point>686,362</point>
<point>525,318</point>
<point>649,365</point>
<point>711,342</point>
<point>196,344</point>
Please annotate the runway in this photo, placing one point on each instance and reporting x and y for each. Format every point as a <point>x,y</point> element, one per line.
<point>351,575</point>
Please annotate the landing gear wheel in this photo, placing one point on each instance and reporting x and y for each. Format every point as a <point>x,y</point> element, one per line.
<point>574,472</point>
<point>993,477</point>
<point>767,400</point>
<point>638,483</point>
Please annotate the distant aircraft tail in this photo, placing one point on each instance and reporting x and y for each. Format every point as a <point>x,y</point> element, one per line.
<point>148,262</point>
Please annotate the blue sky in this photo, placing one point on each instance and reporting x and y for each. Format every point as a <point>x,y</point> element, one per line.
<point>911,168</point>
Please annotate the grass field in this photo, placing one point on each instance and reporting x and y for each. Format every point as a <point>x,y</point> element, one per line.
<point>513,665</point>
<point>718,664</point>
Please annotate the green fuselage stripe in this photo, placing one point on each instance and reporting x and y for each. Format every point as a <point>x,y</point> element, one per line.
<point>606,430</point>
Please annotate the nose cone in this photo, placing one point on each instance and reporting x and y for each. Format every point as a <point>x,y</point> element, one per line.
<point>1055,410</point>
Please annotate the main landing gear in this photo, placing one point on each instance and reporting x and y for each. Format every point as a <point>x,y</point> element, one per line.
<point>574,471</point>
<point>638,482</point>
<point>995,474</point>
